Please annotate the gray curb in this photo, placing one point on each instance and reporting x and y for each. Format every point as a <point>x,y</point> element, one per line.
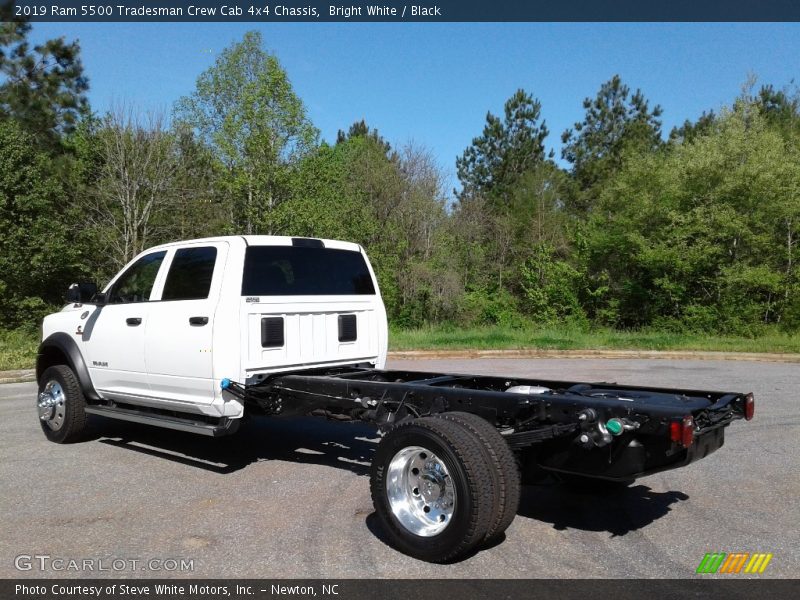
<point>648,354</point>
<point>18,376</point>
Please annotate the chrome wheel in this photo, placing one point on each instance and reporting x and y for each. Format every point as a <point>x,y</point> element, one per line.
<point>51,405</point>
<point>420,491</point>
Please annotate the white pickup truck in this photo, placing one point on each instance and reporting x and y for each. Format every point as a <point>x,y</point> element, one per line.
<point>193,335</point>
<point>181,317</point>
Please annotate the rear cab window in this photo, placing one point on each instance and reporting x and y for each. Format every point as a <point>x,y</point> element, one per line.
<point>305,271</point>
<point>189,276</point>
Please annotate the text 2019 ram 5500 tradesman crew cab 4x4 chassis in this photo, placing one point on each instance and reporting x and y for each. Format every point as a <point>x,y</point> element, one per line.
<point>193,335</point>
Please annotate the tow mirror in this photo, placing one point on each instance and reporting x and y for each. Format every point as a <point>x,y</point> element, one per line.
<point>100,299</point>
<point>81,293</point>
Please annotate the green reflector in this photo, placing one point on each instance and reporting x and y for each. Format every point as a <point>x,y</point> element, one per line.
<point>614,426</point>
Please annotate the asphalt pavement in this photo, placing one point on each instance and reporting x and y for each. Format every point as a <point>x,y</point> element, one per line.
<point>290,497</point>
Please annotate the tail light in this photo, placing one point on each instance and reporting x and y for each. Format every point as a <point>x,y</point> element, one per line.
<point>749,406</point>
<point>682,432</point>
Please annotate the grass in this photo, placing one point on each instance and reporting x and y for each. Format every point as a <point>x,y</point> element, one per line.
<point>560,338</point>
<point>18,347</point>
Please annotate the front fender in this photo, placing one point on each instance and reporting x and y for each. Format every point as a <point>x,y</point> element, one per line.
<point>59,345</point>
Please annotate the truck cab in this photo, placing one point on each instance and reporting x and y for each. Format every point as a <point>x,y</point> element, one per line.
<point>181,317</point>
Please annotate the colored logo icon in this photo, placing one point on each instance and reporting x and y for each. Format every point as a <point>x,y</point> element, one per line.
<point>735,562</point>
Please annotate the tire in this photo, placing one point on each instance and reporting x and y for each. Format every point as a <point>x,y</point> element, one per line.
<point>504,470</point>
<point>590,485</point>
<point>68,422</point>
<point>443,513</point>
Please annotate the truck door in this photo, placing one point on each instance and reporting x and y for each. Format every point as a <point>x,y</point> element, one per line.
<point>113,335</point>
<point>179,331</point>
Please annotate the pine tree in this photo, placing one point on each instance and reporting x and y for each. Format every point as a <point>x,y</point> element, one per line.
<point>43,88</point>
<point>507,149</point>
<point>615,122</point>
<point>361,129</point>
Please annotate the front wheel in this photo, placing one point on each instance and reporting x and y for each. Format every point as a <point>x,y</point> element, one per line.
<point>432,489</point>
<point>61,405</point>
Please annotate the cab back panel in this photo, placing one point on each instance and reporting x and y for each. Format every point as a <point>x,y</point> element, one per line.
<point>311,333</point>
<point>309,306</point>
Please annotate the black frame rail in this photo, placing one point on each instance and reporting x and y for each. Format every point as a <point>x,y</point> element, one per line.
<point>384,397</point>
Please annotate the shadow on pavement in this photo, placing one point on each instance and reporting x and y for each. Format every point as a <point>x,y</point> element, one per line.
<point>618,512</point>
<point>302,440</point>
<point>350,446</point>
<point>376,528</point>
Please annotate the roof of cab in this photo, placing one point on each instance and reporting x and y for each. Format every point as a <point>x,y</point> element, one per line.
<point>264,240</point>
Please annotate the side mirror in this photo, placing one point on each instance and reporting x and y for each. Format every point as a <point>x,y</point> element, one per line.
<point>81,293</point>
<point>100,299</point>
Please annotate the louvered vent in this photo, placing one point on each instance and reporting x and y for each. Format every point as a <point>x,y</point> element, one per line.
<point>272,332</point>
<point>348,330</point>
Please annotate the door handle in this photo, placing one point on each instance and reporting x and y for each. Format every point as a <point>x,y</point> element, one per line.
<point>198,320</point>
<point>133,321</point>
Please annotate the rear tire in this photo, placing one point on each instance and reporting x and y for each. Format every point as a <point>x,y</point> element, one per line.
<point>432,489</point>
<point>61,399</point>
<point>504,471</point>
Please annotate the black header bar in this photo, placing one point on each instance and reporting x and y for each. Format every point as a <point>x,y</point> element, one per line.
<point>316,11</point>
<point>731,588</point>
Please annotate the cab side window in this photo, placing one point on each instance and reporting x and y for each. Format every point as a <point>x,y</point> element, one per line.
<point>190,274</point>
<point>136,283</point>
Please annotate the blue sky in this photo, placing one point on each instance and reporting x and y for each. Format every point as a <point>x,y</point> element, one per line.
<point>433,83</point>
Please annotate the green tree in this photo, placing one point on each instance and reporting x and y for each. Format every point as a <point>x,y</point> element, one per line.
<point>37,255</point>
<point>323,202</point>
<point>506,149</point>
<point>691,130</point>
<point>781,108</point>
<point>130,183</point>
<point>245,109</point>
<point>195,191</point>
<point>42,87</point>
<point>703,236</point>
<point>361,129</point>
<point>532,217</point>
<point>135,182</point>
<point>391,204</point>
<point>615,122</point>
<point>551,287</point>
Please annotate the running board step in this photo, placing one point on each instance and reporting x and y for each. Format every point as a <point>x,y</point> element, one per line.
<point>224,427</point>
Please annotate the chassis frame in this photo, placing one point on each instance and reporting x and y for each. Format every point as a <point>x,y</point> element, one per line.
<point>561,429</point>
